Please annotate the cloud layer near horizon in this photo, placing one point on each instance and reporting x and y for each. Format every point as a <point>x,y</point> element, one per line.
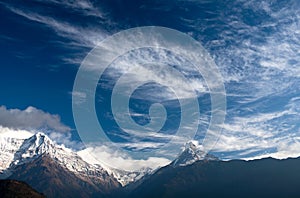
<point>31,118</point>
<point>24,123</point>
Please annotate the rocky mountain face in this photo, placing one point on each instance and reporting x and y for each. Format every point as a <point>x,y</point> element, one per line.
<point>17,189</point>
<point>56,170</point>
<point>48,176</point>
<point>189,155</point>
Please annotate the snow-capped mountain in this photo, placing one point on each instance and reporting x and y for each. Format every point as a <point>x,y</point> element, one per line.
<point>19,151</point>
<point>63,170</point>
<point>10,142</point>
<point>16,151</point>
<point>8,146</point>
<point>23,155</point>
<point>191,154</point>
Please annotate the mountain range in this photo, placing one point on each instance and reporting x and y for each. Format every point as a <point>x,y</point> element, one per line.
<point>57,171</point>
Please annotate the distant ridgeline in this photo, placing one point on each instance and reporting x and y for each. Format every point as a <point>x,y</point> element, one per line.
<point>258,178</point>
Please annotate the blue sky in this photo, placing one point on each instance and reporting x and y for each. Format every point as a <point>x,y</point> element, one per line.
<point>255,45</point>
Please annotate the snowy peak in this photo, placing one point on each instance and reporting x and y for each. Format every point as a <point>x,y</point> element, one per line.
<point>35,146</point>
<point>8,147</point>
<point>40,138</point>
<point>191,154</point>
<point>16,152</point>
<point>38,143</point>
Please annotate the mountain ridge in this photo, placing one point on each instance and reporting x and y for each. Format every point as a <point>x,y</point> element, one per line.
<point>19,151</point>
<point>58,171</point>
<point>22,155</point>
<point>267,177</point>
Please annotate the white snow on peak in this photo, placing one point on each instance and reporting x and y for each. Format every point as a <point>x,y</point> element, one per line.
<point>124,177</point>
<point>35,146</point>
<point>192,152</point>
<point>15,150</point>
<point>19,147</point>
<point>10,142</point>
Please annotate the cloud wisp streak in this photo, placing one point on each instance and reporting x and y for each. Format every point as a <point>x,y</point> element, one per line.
<point>80,36</point>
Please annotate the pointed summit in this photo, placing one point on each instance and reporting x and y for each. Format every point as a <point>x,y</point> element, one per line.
<point>40,138</point>
<point>37,145</point>
<point>33,147</point>
<point>191,154</point>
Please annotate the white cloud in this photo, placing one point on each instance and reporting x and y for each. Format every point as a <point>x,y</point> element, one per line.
<point>260,64</point>
<point>115,159</point>
<point>261,69</point>
<point>286,148</point>
<point>31,118</point>
<point>155,136</point>
<point>261,57</point>
<point>259,135</point>
<point>23,124</point>
<point>156,65</point>
<point>18,133</point>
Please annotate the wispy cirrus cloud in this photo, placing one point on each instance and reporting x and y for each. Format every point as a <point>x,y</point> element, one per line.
<point>256,47</point>
<point>270,134</point>
<point>80,36</point>
<point>85,7</point>
<point>256,44</point>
